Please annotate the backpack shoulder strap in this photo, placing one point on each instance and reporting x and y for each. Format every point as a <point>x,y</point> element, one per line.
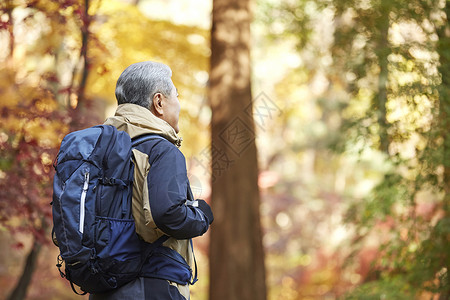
<point>143,138</point>
<point>135,142</point>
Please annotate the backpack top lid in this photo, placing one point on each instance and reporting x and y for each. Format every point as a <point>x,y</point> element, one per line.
<point>78,145</point>
<point>93,144</point>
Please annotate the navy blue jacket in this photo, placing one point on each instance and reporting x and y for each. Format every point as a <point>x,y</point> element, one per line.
<point>169,190</point>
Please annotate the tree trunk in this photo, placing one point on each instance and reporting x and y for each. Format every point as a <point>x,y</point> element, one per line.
<point>444,111</point>
<point>10,25</point>
<point>79,111</point>
<point>237,268</point>
<point>83,52</point>
<point>20,291</point>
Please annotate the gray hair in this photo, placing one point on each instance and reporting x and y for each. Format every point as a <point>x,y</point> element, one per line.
<point>141,81</point>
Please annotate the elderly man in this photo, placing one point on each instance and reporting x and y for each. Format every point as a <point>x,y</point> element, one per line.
<point>163,205</point>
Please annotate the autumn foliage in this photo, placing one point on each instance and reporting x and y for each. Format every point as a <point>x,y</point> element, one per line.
<point>350,102</point>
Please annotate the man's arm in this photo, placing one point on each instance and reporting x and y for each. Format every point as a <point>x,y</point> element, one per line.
<point>168,186</point>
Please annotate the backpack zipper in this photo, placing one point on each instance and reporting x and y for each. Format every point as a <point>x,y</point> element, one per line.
<point>82,201</point>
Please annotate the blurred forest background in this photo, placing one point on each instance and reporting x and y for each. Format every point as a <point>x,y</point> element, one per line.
<point>350,104</point>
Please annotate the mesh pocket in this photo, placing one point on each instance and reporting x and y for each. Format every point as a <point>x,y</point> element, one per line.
<point>117,239</point>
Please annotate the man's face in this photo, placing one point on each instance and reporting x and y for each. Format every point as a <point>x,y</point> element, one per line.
<point>171,107</point>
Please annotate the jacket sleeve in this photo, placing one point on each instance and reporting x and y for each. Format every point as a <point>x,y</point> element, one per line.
<point>168,188</point>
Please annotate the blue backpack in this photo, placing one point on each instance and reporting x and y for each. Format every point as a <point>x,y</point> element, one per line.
<point>93,225</point>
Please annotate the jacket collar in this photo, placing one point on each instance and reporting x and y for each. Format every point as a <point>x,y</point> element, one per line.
<point>137,120</point>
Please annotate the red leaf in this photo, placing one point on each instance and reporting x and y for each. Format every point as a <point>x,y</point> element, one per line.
<point>18,246</point>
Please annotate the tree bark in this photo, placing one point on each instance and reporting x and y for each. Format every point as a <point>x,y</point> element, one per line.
<point>237,268</point>
<point>21,288</point>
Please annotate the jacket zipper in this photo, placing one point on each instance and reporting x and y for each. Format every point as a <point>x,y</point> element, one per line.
<point>83,200</point>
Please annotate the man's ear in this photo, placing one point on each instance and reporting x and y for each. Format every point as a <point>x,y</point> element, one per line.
<point>157,103</point>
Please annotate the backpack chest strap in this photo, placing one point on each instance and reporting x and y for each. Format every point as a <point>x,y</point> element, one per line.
<point>114,181</point>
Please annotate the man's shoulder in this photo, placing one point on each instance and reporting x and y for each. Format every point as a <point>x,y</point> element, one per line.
<point>160,145</point>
